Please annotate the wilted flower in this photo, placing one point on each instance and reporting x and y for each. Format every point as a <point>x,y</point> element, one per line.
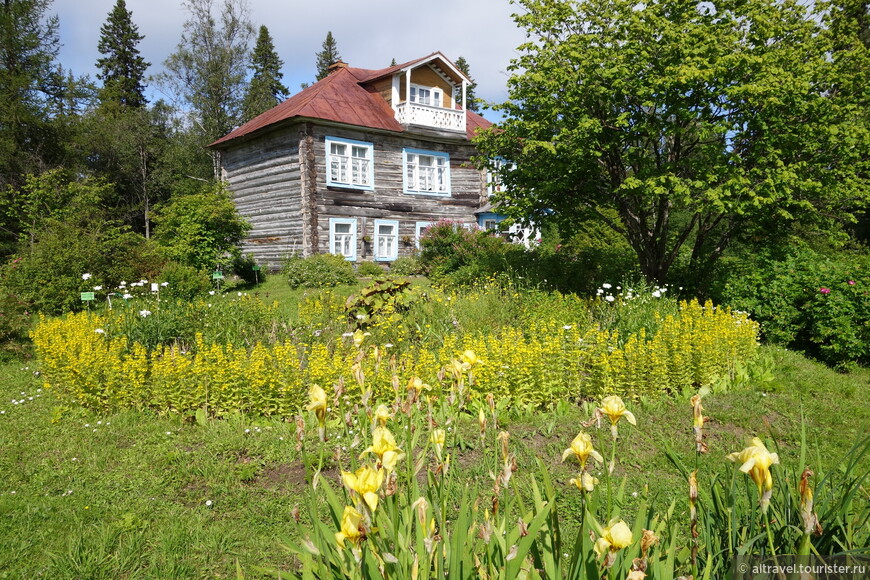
<point>581,447</point>
<point>698,424</point>
<point>755,461</point>
<point>809,517</point>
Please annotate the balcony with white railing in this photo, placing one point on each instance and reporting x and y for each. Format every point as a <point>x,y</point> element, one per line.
<point>429,116</point>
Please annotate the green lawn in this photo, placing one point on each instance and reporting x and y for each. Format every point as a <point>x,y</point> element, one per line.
<point>135,494</point>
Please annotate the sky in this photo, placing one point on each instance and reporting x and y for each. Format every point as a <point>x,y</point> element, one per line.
<point>369,34</point>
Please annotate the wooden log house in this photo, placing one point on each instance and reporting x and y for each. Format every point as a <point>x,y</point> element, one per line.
<point>357,164</point>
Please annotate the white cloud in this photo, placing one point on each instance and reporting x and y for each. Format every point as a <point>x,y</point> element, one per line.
<point>369,34</point>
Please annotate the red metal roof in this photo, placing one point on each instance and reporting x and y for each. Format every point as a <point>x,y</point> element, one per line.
<point>342,97</point>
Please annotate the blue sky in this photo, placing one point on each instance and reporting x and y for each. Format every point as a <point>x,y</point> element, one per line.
<point>369,33</point>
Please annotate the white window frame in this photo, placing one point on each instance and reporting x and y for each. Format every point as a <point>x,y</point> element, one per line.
<point>418,231</point>
<point>391,239</point>
<point>423,178</point>
<point>435,98</point>
<point>334,237</point>
<point>350,165</point>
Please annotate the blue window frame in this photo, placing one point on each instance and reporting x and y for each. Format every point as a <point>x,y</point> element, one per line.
<point>386,240</point>
<point>425,172</point>
<point>342,237</point>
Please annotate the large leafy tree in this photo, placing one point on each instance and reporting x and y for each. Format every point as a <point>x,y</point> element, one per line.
<point>683,124</point>
<point>327,55</point>
<point>265,89</point>
<point>208,68</point>
<point>122,69</point>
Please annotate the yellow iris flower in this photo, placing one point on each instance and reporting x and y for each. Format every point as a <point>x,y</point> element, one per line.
<point>755,461</point>
<point>437,438</point>
<point>317,402</point>
<point>585,483</point>
<point>581,447</point>
<point>382,415</point>
<point>365,482</point>
<point>617,535</point>
<point>350,526</point>
<point>384,446</point>
<point>614,408</point>
<point>469,358</point>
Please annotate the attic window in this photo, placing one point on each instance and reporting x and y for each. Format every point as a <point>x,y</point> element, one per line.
<point>430,96</point>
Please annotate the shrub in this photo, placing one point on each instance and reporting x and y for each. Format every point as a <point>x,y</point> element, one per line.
<point>66,259</point>
<point>183,282</point>
<point>406,266</point>
<point>369,270</point>
<point>198,230</point>
<point>447,247</point>
<point>14,323</point>
<point>318,271</point>
<point>807,301</point>
<point>246,268</point>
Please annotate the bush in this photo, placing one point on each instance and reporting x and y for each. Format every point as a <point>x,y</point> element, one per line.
<point>807,301</point>
<point>369,270</point>
<point>244,268</point>
<point>448,248</point>
<point>183,282</point>
<point>14,323</point>
<point>406,266</point>
<point>318,271</point>
<point>65,259</point>
<point>200,229</point>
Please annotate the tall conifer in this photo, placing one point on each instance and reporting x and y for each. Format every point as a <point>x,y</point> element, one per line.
<point>265,89</point>
<point>327,56</point>
<point>122,69</point>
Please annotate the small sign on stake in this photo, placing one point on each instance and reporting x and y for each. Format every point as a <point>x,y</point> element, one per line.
<point>87,296</point>
<point>218,275</point>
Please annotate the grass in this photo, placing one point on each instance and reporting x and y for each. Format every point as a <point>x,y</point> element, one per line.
<point>84,495</point>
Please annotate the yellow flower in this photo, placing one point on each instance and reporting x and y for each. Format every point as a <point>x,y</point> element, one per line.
<point>384,446</point>
<point>350,526</point>
<point>317,402</point>
<point>585,483</point>
<point>365,482</point>
<point>382,415</point>
<point>614,408</point>
<point>437,438</point>
<point>359,336</point>
<point>581,447</point>
<point>616,536</point>
<point>755,461</point>
<point>469,358</point>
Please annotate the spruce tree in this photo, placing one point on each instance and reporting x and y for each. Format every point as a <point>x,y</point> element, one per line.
<point>327,56</point>
<point>471,102</point>
<point>122,69</point>
<point>265,89</point>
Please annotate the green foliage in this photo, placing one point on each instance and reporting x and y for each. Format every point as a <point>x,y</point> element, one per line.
<point>369,270</point>
<point>246,268</point>
<point>406,266</point>
<point>122,68</point>
<point>715,132</point>
<point>14,323</point>
<point>449,249</point>
<point>265,89</point>
<point>471,101</point>
<point>318,271</point>
<point>48,275</point>
<point>201,230</point>
<point>384,297</point>
<point>808,301</point>
<point>183,282</point>
<point>326,56</point>
<point>28,81</point>
<point>208,67</point>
